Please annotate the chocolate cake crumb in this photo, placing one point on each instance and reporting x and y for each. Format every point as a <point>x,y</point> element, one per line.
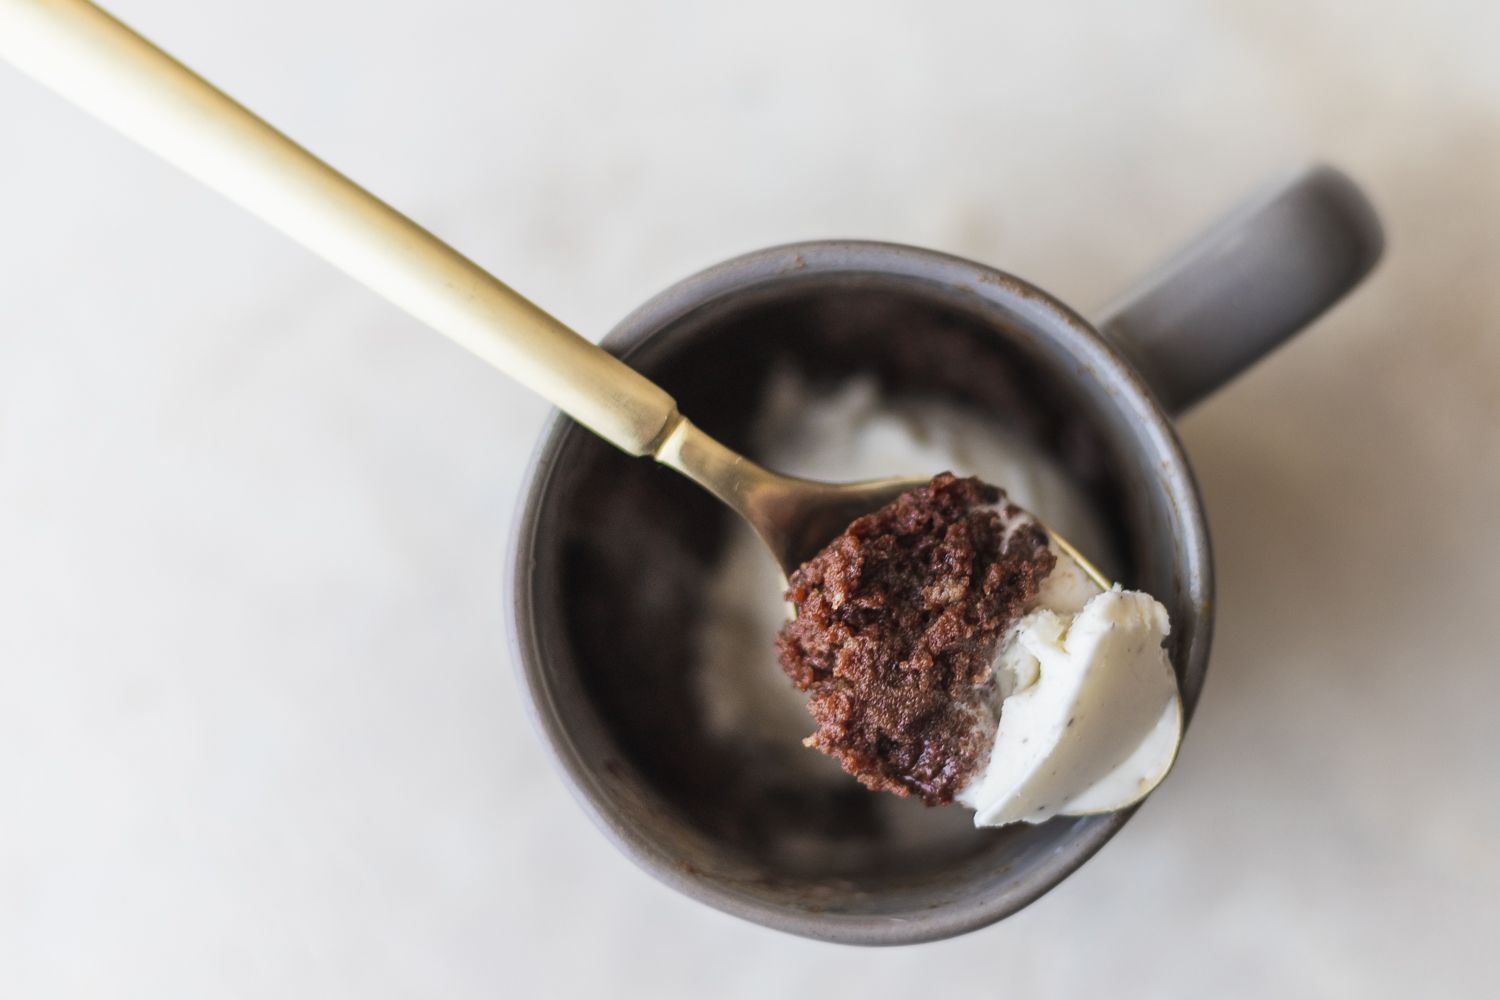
<point>897,625</point>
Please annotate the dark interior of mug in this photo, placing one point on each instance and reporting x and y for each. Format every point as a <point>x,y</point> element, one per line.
<point>622,550</point>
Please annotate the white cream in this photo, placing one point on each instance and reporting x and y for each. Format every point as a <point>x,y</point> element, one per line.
<point>1091,717</point>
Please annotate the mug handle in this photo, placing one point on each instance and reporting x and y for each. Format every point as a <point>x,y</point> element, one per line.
<point>1260,274</point>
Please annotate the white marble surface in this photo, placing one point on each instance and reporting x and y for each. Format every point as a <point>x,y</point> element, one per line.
<point>258,731</point>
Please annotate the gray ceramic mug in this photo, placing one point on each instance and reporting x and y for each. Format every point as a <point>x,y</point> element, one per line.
<point>610,553</point>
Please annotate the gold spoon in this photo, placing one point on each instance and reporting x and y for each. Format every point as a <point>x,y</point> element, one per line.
<point>106,68</point>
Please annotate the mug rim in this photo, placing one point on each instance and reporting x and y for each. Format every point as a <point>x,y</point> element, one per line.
<point>744,273</point>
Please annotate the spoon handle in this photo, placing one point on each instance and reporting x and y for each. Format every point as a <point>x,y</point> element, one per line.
<point>106,68</point>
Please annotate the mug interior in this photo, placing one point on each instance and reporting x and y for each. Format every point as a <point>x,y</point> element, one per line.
<point>614,554</point>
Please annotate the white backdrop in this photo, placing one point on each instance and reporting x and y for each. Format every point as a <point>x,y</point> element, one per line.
<point>259,735</point>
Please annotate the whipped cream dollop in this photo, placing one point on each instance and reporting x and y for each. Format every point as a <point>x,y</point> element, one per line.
<point>1090,716</point>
